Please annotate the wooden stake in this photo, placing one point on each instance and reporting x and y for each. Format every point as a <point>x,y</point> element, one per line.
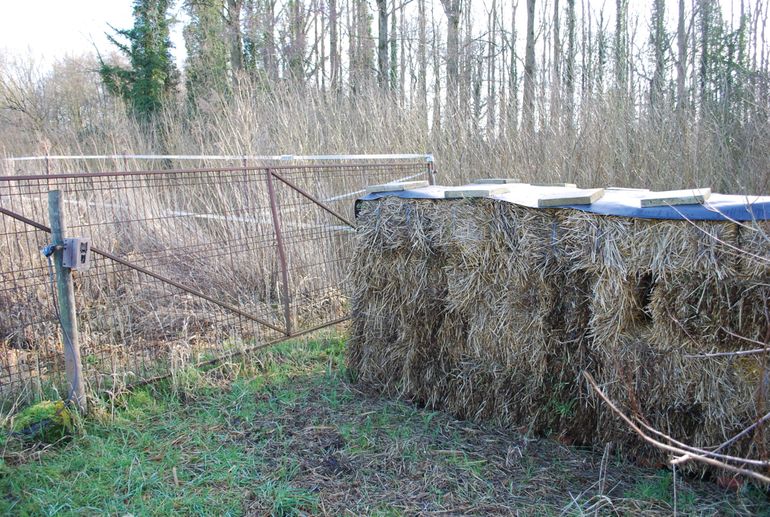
<point>66,297</point>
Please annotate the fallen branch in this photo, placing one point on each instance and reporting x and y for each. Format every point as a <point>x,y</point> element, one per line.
<point>683,454</point>
<point>744,432</point>
<point>712,454</point>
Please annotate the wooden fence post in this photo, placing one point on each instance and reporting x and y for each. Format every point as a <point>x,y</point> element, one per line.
<point>431,171</point>
<point>66,297</point>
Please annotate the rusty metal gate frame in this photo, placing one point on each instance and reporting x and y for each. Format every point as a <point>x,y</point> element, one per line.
<point>272,173</point>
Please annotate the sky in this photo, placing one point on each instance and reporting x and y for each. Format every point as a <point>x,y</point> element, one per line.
<point>48,30</point>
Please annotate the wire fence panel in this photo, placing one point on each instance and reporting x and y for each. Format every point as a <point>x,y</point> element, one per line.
<point>189,265</point>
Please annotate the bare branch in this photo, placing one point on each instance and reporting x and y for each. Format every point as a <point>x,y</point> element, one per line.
<point>683,454</point>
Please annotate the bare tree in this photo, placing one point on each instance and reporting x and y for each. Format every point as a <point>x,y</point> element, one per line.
<point>233,21</point>
<point>402,61</point>
<point>621,46</point>
<point>659,41</point>
<point>269,53</point>
<point>422,58</point>
<point>334,54</point>
<point>295,53</point>
<point>436,126</point>
<point>393,46</point>
<point>466,58</point>
<point>681,62</point>
<point>513,79</point>
<point>491,68</point>
<point>555,108</point>
<point>569,72</point>
<point>452,11</point>
<point>528,108</point>
<point>382,44</point>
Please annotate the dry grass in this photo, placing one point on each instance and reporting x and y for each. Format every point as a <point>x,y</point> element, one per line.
<point>611,145</point>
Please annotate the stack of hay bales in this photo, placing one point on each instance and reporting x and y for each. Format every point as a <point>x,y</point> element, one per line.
<point>666,294</point>
<point>492,310</point>
<point>461,305</point>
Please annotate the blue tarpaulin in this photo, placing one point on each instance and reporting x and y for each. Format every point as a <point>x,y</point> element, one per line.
<point>619,202</point>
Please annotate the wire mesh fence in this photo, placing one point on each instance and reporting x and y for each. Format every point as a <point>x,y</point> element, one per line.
<point>189,265</point>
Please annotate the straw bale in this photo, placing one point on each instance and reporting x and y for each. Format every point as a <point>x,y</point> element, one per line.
<point>492,310</point>
<point>669,248</point>
<point>618,304</point>
<point>663,247</point>
<point>711,314</point>
<point>753,245</point>
<point>695,309</point>
<point>597,244</point>
<point>697,400</point>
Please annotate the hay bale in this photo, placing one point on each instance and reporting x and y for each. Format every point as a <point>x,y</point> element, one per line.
<point>487,346</point>
<point>492,310</point>
<point>753,243</point>
<point>702,401</point>
<point>397,303</point>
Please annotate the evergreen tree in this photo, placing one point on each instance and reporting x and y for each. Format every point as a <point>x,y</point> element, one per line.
<point>152,75</point>
<point>206,68</point>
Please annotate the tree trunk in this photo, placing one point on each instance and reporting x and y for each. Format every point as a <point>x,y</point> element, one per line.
<point>422,58</point>
<point>296,51</point>
<point>452,10</point>
<point>528,111</point>
<point>334,56</point>
<point>555,70</point>
<point>352,55</point>
<point>393,47</point>
<point>436,127</point>
<point>236,40</point>
<point>706,7</point>
<point>569,74</point>
<point>681,62</point>
<point>621,45</point>
<point>491,65</point>
<point>513,76</point>
<point>402,61</point>
<point>466,60</point>
<point>382,44</point>
<point>659,43</point>
<point>322,58</point>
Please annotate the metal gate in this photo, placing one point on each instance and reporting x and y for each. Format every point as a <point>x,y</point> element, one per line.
<point>189,265</point>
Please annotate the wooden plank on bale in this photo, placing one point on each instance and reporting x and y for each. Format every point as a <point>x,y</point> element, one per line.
<point>496,181</point>
<point>396,186</point>
<point>470,191</point>
<point>675,197</point>
<point>563,185</point>
<point>569,197</point>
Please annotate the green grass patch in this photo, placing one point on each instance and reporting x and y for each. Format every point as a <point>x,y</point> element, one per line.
<point>285,432</point>
<point>659,488</point>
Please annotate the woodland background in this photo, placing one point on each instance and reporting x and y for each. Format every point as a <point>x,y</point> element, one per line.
<point>654,93</point>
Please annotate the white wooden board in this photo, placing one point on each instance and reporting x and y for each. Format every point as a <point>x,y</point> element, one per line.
<point>471,191</point>
<point>675,197</point>
<point>569,197</point>
<point>396,187</point>
<point>563,185</point>
<point>495,181</point>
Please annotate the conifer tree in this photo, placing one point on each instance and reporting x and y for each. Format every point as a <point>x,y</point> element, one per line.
<point>152,76</point>
<point>206,68</point>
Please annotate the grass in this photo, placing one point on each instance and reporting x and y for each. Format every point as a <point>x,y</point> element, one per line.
<point>288,434</point>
